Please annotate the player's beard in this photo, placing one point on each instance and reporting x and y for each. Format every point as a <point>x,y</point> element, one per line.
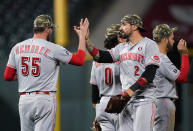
<point>49,36</point>
<point>123,35</point>
<point>169,47</point>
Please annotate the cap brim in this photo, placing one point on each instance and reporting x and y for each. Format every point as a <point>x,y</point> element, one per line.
<point>142,29</point>
<point>54,26</point>
<point>174,29</point>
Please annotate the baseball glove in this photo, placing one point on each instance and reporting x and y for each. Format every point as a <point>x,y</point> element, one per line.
<point>117,103</point>
<point>96,126</point>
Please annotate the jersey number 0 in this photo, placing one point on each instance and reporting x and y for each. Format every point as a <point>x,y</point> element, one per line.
<point>108,76</point>
<point>25,61</point>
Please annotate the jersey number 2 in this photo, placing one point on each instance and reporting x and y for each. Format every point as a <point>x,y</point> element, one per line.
<point>136,70</point>
<point>25,66</point>
<point>108,76</point>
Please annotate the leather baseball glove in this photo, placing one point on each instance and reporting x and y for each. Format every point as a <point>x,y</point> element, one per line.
<point>117,103</point>
<point>96,126</point>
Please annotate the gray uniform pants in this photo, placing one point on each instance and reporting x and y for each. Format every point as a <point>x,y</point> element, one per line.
<point>137,117</point>
<point>165,115</point>
<point>37,112</point>
<point>108,122</point>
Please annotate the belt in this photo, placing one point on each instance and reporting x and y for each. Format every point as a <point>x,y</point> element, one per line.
<point>37,92</point>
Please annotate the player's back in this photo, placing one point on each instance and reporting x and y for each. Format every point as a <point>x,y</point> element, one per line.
<point>165,78</point>
<point>107,77</point>
<point>36,65</point>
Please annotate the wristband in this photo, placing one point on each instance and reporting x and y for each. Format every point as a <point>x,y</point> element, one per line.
<point>94,51</point>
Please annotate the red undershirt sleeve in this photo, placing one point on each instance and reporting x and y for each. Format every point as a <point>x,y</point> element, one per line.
<point>9,74</point>
<point>182,78</point>
<point>78,58</point>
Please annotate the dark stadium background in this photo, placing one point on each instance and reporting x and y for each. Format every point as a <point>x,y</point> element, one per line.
<point>76,113</point>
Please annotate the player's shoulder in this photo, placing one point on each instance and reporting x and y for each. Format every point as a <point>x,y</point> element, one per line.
<point>164,59</point>
<point>149,41</point>
<point>54,46</point>
<point>21,42</point>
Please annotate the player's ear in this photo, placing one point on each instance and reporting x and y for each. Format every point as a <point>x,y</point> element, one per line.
<point>47,30</point>
<point>135,27</point>
<point>165,40</point>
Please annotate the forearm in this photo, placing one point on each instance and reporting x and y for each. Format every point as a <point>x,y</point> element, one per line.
<point>98,55</point>
<point>95,94</point>
<point>82,41</point>
<point>182,78</point>
<point>92,50</point>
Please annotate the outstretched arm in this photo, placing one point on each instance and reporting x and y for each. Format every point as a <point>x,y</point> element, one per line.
<point>78,58</point>
<point>185,64</point>
<point>97,54</point>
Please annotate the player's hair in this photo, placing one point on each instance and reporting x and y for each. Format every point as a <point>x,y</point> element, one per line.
<point>111,41</point>
<point>38,29</point>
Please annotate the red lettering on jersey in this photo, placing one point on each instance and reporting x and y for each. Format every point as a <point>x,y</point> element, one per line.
<point>17,50</point>
<point>32,48</point>
<point>36,49</point>
<point>141,59</point>
<point>27,48</point>
<point>131,56</point>
<point>21,48</point>
<point>42,48</point>
<point>128,56</point>
<point>97,64</point>
<point>134,56</point>
<point>118,62</point>
<point>45,53</point>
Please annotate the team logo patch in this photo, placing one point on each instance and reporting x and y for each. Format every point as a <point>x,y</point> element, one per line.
<point>175,70</point>
<point>140,48</point>
<point>67,52</point>
<point>155,58</point>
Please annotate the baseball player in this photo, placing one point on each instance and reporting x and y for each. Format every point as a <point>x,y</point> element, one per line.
<point>105,81</point>
<point>139,60</point>
<point>166,76</point>
<point>36,63</point>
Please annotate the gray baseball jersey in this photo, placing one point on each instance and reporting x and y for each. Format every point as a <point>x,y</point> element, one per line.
<point>165,78</point>
<point>37,64</point>
<point>133,60</point>
<point>107,78</point>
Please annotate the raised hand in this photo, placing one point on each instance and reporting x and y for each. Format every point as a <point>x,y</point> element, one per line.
<point>182,47</point>
<point>83,28</point>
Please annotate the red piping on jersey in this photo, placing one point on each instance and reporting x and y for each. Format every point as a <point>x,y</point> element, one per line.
<point>167,116</point>
<point>185,64</point>
<point>9,73</point>
<point>152,116</point>
<point>78,58</point>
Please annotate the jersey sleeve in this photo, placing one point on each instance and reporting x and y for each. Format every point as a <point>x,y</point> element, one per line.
<point>115,52</point>
<point>11,61</point>
<point>93,75</point>
<point>152,54</point>
<point>168,69</point>
<point>62,54</point>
